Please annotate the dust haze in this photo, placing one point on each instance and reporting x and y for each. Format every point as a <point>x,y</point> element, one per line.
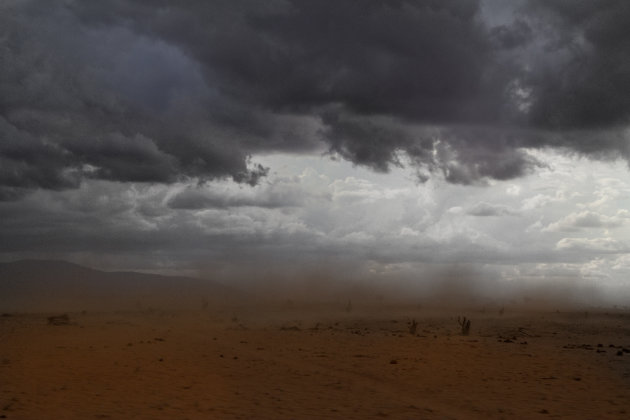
<point>42,285</point>
<point>82,343</point>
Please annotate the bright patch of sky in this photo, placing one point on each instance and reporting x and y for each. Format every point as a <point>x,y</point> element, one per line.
<point>568,220</point>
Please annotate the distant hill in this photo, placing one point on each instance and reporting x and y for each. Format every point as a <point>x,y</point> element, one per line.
<point>46,285</point>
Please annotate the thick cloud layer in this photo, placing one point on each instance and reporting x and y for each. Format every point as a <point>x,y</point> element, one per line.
<point>325,221</point>
<point>162,91</point>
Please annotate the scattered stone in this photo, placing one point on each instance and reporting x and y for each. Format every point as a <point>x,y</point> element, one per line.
<point>578,346</point>
<point>59,320</point>
<point>291,328</point>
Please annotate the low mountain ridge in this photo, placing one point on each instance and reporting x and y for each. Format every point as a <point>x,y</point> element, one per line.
<point>44,285</point>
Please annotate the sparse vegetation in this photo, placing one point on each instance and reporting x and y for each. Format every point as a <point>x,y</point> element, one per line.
<point>464,324</point>
<point>413,325</point>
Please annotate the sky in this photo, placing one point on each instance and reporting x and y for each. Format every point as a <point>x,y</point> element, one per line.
<point>382,142</point>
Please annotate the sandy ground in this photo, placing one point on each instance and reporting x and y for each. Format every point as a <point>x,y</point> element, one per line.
<point>285,363</point>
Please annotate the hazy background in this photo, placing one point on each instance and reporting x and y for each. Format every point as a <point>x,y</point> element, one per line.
<point>294,147</point>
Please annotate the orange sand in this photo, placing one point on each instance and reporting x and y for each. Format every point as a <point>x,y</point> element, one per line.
<point>287,364</point>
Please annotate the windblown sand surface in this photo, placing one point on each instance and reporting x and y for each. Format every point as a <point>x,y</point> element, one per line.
<point>322,363</point>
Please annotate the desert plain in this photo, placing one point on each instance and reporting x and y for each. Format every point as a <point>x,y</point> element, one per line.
<point>292,360</point>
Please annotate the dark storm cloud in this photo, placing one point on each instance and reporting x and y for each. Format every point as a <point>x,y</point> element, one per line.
<point>79,101</point>
<point>159,91</point>
<point>517,34</point>
<point>463,155</point>
<point>587,86</point>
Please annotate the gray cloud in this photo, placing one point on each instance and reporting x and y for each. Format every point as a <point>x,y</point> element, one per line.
<point>518,34</point>
<point>163,91</point>
<point>484,209</point>
<point>280,194</point>
<point>595,245</point>
<point>588,219</point>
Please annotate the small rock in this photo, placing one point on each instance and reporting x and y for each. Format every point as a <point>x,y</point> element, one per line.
<point>59,320</point>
